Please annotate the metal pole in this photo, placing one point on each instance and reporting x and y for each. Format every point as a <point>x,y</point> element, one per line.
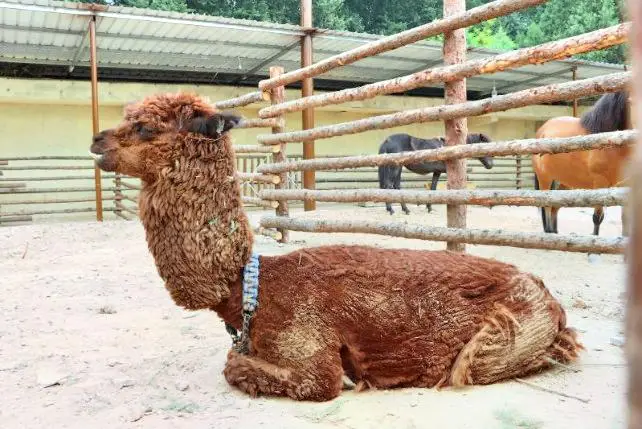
<point>94,113</point>
<point>456,129</point>
<point>633,346</point>
<point>307,89</point>
<point>575,99</point>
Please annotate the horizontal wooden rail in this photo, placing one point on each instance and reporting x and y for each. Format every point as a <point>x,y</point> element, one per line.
<point>243,100</point>
<point>54,201</point>
<point>12,185</point>
<point>272,233</point>
<point>256,149</point>
<point>434,28</point>
<point>50,178</point>
<point>47,167</point>
<point>124,197</point>
<point>122,207</point>
<point>131,186</point>
<point>13,219</point>
<point>258,178</point>
<point>45,158</point>
<point>259,202</point>
<point>260,123</point>
<point>546,52</point>
<point>243,177</point>
<point>51,190</point>
<point>567,243</point>
<point>545,94</point>
<point>527,146</point>
<point>563,198</point>
<point>118,212</point>
<point>53,211</point>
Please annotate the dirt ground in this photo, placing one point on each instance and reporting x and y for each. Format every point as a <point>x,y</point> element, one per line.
<point>90,339</point>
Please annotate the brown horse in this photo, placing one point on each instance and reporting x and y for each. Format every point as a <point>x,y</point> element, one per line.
<point>591,169</point>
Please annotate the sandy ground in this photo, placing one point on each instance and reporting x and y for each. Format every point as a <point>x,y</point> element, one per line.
<point>90,339</point>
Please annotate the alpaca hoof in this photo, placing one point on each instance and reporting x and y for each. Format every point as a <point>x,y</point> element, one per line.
<point>348,384</point>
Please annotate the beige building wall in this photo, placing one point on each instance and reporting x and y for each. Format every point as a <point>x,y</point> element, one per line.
<point>51,117</point>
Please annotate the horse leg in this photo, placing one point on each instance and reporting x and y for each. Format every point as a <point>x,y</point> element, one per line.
<point>598,217</point>
<point>625,222</point>
<point>549,214</point>
<point>433,187</point>
<point>553,219</point>
<point>398,187</point>
<point>388,175</point>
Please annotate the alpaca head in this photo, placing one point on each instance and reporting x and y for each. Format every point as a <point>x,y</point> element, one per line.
<point>154,132</point>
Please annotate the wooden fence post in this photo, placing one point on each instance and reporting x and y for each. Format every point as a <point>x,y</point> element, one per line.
<point>93,61</point>
<point>277,95</point>
<point>518,172</point>
<point>456,129</point>
<point>634,305</point>
<point>118,194</point>
<point>307,90</point>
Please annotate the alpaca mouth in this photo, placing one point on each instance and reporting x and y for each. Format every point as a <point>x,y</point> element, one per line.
<point>97,157</point>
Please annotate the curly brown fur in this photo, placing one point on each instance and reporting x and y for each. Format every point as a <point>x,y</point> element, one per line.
<point>385,318</point>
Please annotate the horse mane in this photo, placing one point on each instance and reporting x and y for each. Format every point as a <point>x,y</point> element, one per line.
<point>477,138</point>
<point>610,113</point>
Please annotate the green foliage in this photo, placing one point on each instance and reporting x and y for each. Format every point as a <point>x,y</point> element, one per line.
<point>553,20</point>
<point>490,34</point>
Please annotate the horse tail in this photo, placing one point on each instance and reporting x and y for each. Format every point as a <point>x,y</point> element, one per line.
<point>536,182</point>
<point>383,170</point>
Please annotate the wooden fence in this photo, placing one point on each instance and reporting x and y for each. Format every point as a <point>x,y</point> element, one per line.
<point>517,172</point>
<point>38,187</point>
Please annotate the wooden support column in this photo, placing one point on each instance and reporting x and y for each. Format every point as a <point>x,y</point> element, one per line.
<point>277,95</point>
<point>575,99</point>
<point>456,129</point>
<point>94,113</point>
<point>633,346</point>
<point>307,90</point>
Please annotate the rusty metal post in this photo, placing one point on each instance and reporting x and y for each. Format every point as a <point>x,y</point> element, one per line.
<point>456,129</point>
<point>575,99</point>
<point>94,113</point>
<point>634,210</point>
<point>307,90</point>
<point>277,95</point>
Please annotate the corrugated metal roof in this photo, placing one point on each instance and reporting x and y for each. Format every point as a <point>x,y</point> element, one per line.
<point>54,33</point>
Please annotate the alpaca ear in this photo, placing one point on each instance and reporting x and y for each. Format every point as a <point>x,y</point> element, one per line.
<point>214,125</point>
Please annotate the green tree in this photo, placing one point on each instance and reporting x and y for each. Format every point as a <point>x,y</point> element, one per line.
<point>553,20</point>
<point>490,34</point>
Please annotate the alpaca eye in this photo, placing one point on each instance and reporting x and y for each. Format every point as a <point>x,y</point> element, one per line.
<point>144,132</point>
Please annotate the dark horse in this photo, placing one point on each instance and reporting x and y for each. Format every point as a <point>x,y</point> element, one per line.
<point>589,169</point>
<point>390,175</point>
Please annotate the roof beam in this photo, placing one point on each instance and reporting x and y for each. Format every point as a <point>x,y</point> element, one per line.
<point>267,61</point>
<point>184,41</point>
<point>534,79</point>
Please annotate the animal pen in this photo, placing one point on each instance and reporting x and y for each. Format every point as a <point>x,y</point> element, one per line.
<point>270,178</point>
<point>454,113</point>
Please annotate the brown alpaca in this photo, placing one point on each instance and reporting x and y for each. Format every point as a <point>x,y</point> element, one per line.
<point>385,318</point>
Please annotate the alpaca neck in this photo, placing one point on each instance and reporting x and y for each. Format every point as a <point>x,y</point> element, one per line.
<point>196,228</point>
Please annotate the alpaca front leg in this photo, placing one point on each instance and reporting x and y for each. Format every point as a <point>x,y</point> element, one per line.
<point>320,379</point>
